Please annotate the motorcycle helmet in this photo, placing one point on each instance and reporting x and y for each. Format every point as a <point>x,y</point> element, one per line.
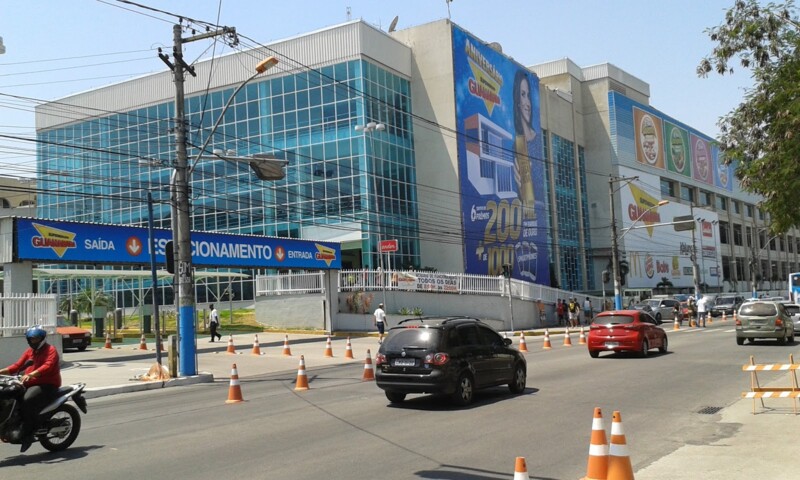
<point>34,332</point>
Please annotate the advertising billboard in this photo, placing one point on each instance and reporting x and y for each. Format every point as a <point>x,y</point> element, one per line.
<point>658,240</point>
<point>500,162</point>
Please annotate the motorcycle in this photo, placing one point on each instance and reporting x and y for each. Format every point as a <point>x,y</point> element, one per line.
<point>60,421</point>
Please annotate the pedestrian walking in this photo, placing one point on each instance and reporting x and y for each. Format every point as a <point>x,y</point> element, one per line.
<point>380,321</point>
<point>587,311</point>
<point>573,311</point>
<point>561,310</point>
<point>702,310</point>
<point>214,323</point>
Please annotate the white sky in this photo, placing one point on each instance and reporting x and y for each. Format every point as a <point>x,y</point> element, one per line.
<point>56,48</point>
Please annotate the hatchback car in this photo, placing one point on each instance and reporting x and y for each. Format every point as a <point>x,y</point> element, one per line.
<point>72,337</point>
<point>764,319</point>
<point>625,331</point>
<point>644,307</point>
<point>726,304</point>
<point>663,308</point>
<point>451,356</point>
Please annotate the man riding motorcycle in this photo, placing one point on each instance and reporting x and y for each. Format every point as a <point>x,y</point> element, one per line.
<point>42,380</point>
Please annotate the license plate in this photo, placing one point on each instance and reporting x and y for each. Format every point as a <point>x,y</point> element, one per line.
<point>404,362</point>
<point>612,344</point>
<point>77,340</point>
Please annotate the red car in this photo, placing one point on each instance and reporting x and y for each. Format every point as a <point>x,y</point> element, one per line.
<point>625,331</point>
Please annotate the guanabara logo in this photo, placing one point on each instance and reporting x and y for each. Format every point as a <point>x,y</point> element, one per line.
<point>325,254</point>
<point>59,240</point>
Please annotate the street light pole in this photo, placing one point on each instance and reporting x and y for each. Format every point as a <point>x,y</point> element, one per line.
<point>370,128</point>
<point>614,246</point>
<point>182,231</point>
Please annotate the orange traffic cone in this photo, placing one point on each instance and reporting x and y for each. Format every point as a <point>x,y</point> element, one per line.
<point>708,319</point>
<point>692,323</point>
<point>328,349</point>
<point>567,340</point>
<point>724,317</point>
<point>597,466</point>
<point>302,379</point>
<point>523,347</point>
<point>108,341</point>
<point>256,346</point>
<point>143,343</point>
<point>619,461</point>
<point>235,390</point>
<point>231,349</point>
<point>520,469</point>
<point>582,338</point>
<point>546,345</point>
<point>348,350</point>
<point>369,372</point>
<point>676,325</point>
<point>287,352</point>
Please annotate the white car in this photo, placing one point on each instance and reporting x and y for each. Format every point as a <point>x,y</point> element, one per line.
<point>794,310</point>
<point>663,308</point>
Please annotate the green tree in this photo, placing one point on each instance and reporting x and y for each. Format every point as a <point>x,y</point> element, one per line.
<point>761,134</point>
<point>86,300</point>
<point>665,283</point>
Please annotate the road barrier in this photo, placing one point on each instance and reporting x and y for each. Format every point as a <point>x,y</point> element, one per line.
<point>287,352</point>
<point>328,348</point>
<point>597,466</point>
<point>369,371</point>
<point>759,392</point>
<point>348,350</point>
<point>302,378</point>
<point>231,350</point>
<point>256,346</point>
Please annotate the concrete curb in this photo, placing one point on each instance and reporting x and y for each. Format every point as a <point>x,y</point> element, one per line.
<point>140,386</point>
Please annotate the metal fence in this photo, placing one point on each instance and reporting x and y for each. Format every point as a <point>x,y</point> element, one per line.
<point>410,280</point>
<point>18,312</point>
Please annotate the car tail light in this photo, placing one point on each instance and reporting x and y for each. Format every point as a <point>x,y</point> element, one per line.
<point>380,359</point>
<point>738,322</point>
<point>778,322</point>
<point>436,358</point>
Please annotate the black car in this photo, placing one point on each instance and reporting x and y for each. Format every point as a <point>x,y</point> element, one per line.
<point>726,304</point>
<point>451,356</point>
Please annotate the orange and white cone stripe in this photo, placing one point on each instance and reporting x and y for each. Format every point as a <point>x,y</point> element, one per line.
<point>369,371</point>
<point>287,352</point>
<point>231,348</point>
<point>235,390</point>
<point>546,345</point>
<point>523,347</point>
<point>676,325</point>
<point>582,337</point>
<point>597,466</point>
<point>302,378</point>
<point>143,343</point>
<point>521,469</point>
<point>328,348</point>
<point>619,460</point>
<point>108,341</point>
<point>567,339</point>
<point>348,350</point>
<point>256,346</point>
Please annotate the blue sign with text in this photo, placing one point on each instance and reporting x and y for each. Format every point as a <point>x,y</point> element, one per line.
<point>55,241</point>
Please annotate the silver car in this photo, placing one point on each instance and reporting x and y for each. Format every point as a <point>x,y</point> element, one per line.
<point>764,319</point>
<point>663,308</point>
<point>794,310</point>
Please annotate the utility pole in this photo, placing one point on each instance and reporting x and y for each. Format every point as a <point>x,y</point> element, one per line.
<point>695,272</point>
<point>182,233</point>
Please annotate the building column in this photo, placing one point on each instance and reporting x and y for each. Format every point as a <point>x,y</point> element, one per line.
<point>17,278</point>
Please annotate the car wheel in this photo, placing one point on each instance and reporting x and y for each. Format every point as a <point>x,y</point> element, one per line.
<point>517,385</point>
<point>82,349</point>
<point>658,319</point>
<point>782,340</point>
<point>395,397</point>
<point>645,348</point>
<point>664,345</point>
<point>739,340</point>
<point>594,353</point>
<point>751,339</point>
<point>464,390</point>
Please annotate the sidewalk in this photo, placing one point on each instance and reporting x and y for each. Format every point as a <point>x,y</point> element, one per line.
<point>113,371</point>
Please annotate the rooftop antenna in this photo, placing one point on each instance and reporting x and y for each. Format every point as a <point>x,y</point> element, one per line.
<point>349,16</point>
<point>448,8</point>
<point>393,25</point>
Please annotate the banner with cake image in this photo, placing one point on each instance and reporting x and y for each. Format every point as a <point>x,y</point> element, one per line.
<point>677,149</point>
<point>649,138</point>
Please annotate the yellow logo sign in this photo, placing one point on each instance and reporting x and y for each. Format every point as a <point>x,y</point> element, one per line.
<point>486,81</point>
<point>642,210</point>
<point>59,240</point>
<point>325,254</point>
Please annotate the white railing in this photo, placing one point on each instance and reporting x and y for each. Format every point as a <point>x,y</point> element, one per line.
<point>18,312</point>
<point>290,283</point>
<point>416,281</point>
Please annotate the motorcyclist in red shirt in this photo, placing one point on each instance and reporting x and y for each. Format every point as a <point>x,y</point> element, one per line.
<point>42,379</point>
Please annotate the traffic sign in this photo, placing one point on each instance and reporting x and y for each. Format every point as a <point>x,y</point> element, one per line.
<point>683,223</point>
<point>388,246</point>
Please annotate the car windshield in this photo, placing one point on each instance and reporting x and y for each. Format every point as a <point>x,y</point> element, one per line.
<point>422,338</point>
<point>758,309</point>
<point>654,303</point>
<point>612,320</point>
<point>792,309</point>
<point>642,306</point>
<point>726,300</point>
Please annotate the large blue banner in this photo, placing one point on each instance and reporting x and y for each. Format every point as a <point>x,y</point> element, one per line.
<point>501,164</point>
<point>52,241</point>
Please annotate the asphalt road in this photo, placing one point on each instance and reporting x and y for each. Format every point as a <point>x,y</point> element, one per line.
<point>344,428</point>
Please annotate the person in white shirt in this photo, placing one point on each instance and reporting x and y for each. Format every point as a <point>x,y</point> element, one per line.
<point>702,310</point>
<point>214,323</point>
<point>380,321</point>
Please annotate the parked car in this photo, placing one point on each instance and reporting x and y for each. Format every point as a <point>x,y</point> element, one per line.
<point>447,355</point>
<point>71,336</point>
<point>726,304</point>
<point>764,319</point>
<point>644,307</point>
<point>625,331</point>
<point>793,310</point>
<point>663,308</point>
